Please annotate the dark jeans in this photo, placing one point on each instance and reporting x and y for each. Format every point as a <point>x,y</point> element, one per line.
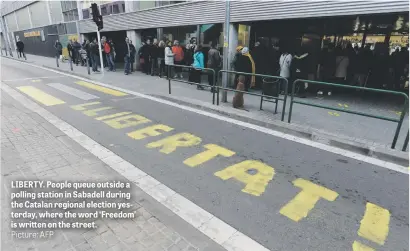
<point>195,76</point>
<point>154,66</point>
<point>161,66</point>
<point>211,77</point>
<point>178,70</point>
<point>110,61</point>
<point>146,67</point>
<point>127,66</point>
<point>95,61</point>
<point>22,54</point>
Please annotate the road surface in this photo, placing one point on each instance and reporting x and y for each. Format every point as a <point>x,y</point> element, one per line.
<point>282,194</point>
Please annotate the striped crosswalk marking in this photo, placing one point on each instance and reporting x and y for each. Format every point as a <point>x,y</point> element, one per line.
<point>40,96</point>
<point>101,89</point>
<point>72,91</point>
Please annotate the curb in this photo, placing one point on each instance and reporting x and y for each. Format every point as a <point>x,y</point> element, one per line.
<point>16,59</point>
<point>379,152</point>
<point>361,147</point>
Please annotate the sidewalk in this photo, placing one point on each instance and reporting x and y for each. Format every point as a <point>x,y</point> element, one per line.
<point>33,149</point>
<point>351,128</point>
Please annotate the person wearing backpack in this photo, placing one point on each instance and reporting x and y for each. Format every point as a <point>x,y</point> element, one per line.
<point>109,54</point>
<point>214,62</point>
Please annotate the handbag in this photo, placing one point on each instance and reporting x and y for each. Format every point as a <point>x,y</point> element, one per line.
<point>142,61</point>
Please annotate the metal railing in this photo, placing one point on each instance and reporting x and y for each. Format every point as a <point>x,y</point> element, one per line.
<point>170,67</point>
<point>399,121</point>
<point>406,142</point>
<point>257,94</point>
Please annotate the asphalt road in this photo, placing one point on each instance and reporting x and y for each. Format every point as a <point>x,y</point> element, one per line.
<point>284,195</point>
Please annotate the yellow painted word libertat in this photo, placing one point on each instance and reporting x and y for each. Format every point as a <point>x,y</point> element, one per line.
<point>254,176</point>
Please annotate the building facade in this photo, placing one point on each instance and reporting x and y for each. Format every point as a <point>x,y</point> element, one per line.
<point>317,21</point>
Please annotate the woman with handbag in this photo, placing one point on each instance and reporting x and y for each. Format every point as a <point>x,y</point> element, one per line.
<point>198,65</point>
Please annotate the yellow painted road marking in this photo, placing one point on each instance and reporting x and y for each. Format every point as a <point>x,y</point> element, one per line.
<point>149,131</point>
<point>255,183</point>
<point>212,152</point>
<point>93,112</point>
<point>334,114</point>
<point>300,206</point>
<point>36,80</point>
<point>112,115</point>
<point>343,105</point>
<point>40,96</point>
<point>82,107</point>
<point>127,121</point>
<point>375,224</point>
<point>170,144</point>
<point>357,246</point>
<point>101,88</point>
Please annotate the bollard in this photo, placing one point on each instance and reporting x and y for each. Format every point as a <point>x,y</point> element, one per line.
<point>88,66</point>
<point>58,65</point>
<point>169,79</point>
<point>71,64</point>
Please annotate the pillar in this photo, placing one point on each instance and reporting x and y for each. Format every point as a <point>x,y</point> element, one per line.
<point>160,34</point>
<point>135,37</point>
<point>232,44</point>
<point>7,33</point>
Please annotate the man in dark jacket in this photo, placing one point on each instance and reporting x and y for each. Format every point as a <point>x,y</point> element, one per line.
<point>76,51</point>
<point>214,62</point>
<point>59,48</point>
<point>144,53</point>
<point>127,56</point>
<point>20,48</point>
<point>94,50</point>
<point>154,56</point>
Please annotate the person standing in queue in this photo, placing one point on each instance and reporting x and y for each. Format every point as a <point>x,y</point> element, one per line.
<point>179,58</point>
<point>246,64</point>
<point>169,59</point>
<point>285,62</point>
<point>95,54</point>
<point>132,58</point>
<point>109,54</point>
<point>161,58</point>
<point>198,66</point>
<point>144,53</point>
<point>127,56</point>
<point>214,62</point>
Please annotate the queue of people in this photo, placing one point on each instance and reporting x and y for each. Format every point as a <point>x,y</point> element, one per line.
<point>343,65</point>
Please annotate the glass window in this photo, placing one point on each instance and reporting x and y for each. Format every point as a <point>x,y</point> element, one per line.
<point>86,14</point>
<point>115,9</point>
<point>104,11</point>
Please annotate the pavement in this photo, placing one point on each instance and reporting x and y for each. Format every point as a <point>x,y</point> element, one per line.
<point>271,189</point>
<point>33,149</point>
<point>363,132</point>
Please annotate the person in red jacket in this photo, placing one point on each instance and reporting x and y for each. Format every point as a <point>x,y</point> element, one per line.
<point>179,58</point>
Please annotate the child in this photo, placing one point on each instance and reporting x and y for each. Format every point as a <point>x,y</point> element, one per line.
<point>237,101</point>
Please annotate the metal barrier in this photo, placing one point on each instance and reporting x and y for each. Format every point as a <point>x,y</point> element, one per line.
<point>257,94</point>
<point>399,121</point>
<point>188,82</point>
<point>406,142</point>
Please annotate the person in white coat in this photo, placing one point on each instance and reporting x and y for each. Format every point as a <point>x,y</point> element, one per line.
<point>169,58</point>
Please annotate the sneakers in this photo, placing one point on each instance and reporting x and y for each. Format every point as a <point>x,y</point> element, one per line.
<point>176,76</point>
<point>329,93</point>
<point>180,76</point>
